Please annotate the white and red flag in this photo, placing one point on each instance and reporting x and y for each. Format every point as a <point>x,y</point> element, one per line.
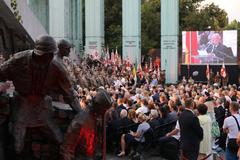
<point>223,71</point>
<point>151,65</point>
<point>112,57</point>
<point>139,68</point>
<point>146,68</point>
<point>208,72</point>
<point>158,71</point>
<point>128,64</point>
<point>107,54</point>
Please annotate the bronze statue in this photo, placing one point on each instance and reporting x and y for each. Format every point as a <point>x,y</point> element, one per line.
<point>4,115</point>
<point>36,76</point>
<point>82,131</point>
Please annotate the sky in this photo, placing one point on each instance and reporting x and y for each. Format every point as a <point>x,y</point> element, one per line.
<point>232,7</point>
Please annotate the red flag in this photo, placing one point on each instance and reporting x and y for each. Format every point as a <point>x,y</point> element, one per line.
<point>134,73</point>
<point>223,71</point>
<point>157,62</point>
<point>194,47</point>
<point>158,72</point>
<point>191,47</point>
<point>128,64</point>
<point>112,57</point>
<point>187,52</point>
<point>116,57</point>
<point>107,54</point>
<point>150,66</point>
<point>208,72</point>
<point>139,68</point>
<point>95,54</point>
<point>116,53</point>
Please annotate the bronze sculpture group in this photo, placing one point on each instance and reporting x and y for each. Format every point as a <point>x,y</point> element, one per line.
<point>39,78</point>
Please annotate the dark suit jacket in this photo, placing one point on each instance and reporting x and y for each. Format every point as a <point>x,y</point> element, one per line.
<point>220,115</point>
<point>190,130</point>
<point>155,97</point>
<point>222,51</point>
<point>119,109</point>
<point>154,123</point>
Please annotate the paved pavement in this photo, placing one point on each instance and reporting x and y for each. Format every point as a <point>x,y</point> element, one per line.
<point>114,157</point>
<point>217,156</point>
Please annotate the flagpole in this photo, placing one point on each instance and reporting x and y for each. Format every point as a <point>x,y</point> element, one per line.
<point>190,55</point>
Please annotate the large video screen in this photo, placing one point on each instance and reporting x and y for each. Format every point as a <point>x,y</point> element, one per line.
<point>209,47</point>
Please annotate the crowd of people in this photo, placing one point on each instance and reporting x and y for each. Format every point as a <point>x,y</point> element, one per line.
<point>195,118</point>
<point>146,102</point>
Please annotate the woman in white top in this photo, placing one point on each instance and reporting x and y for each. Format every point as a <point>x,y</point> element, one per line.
<point>206,124</point>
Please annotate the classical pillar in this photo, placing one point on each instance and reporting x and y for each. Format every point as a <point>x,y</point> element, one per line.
<point>41,11</point>
<point>76,25</point>
<point>169,39</point>
<point>94,26</point>
<point>131,30</point>
<point>59,19</point>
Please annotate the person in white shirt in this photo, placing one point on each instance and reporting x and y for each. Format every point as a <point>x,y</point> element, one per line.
<point>128,139</point>
<point>143,109</point>
<point>117,83</point>
<point>230,127</point>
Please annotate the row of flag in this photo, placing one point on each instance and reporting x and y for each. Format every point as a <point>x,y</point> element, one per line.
<point>115,59</point>
<point>223,72</point>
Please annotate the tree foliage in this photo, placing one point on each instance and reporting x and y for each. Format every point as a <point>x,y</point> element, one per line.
<point>16,11</point>
<point>193,16</point>
<point>113,24</point>
<point>150,26</point>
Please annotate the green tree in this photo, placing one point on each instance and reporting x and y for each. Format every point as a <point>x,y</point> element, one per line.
<point>196,17</point>
<point>188,12</point>
<point>113,24</point>
<point>150,25</point>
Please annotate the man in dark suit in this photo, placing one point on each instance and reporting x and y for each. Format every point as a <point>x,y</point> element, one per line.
<point>156,95</point>
<point>190,131</point>
<point>216,47</point>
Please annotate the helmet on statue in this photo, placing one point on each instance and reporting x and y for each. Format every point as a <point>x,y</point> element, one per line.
<point>45,44</point>
<point>101,102</point>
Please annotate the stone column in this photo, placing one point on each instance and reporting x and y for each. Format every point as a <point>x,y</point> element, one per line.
<point>94,26</point>
<point>76,25</point>
<point>59,19</point>
<point>131,30</point>
<point>169,39</point>
<point>41,10</point>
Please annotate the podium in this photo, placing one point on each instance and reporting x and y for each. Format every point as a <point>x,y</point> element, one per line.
<point>208,58</point>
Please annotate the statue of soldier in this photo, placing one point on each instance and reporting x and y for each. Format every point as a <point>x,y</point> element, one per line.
<point>64,47</point>
<point>101,81</point>
<point>81,135</point>
<point>4,114</point>
<point>35,75</point>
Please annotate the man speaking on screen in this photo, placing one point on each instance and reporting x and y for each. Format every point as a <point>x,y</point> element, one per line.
<point>219,50</point>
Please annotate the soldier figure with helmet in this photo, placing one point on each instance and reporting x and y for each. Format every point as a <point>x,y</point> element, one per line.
<point>36,75</point>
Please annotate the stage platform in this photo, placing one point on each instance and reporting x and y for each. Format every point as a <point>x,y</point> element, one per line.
<point>232,70</point>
